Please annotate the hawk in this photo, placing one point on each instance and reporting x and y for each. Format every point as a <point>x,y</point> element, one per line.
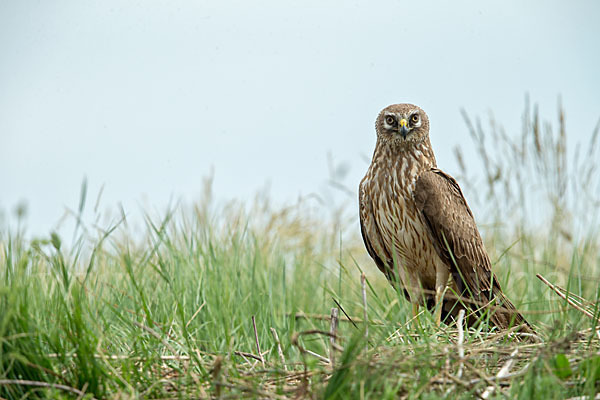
<point>418,228</point>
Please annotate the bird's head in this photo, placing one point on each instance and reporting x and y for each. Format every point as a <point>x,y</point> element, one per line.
<point>402,124</point>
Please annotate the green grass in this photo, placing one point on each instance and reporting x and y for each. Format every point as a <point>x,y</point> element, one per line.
<point>168,314</point>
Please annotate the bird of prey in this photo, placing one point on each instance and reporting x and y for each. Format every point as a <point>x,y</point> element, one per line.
<point>419,230</point>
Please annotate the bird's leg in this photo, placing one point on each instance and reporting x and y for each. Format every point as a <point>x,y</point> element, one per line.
<point>415,309</point>
<point>416,320</point>
<point>441,282</point>
<point>439,304</point>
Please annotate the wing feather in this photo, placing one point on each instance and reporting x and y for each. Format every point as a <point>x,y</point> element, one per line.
<point>371,234</point>
<point>458,243</point>
<point>374,242</point>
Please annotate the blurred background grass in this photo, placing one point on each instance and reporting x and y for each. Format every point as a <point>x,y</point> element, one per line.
<point>110,312</point>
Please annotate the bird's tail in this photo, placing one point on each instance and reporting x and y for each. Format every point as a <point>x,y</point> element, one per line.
<point>504,315</point>
<point>500,310</point>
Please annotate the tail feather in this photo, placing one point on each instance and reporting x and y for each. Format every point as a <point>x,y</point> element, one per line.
<point>504,315</point>
<point>500,311</point>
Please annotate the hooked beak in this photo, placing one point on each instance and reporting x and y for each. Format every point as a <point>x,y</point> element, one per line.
<point>403,128</point>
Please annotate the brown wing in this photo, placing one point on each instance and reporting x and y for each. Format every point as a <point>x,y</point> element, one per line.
<point>371,235</point>
<point>370,231</point>
<point>458,243</point>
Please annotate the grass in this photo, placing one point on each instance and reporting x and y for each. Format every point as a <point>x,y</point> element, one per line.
<point>169,314</point>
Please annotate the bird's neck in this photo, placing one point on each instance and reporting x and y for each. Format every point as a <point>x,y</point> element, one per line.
<point>419,155</point>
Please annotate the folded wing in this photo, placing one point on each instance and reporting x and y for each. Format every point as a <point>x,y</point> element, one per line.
<point>458,243</point>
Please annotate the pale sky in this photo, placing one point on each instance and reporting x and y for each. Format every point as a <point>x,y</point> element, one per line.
<point>146,98</point>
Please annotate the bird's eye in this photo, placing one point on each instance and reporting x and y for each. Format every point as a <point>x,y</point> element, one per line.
<point>414,119</point>
<point>389,120</point>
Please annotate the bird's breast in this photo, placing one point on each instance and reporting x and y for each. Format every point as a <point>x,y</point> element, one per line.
<point>402,227</point>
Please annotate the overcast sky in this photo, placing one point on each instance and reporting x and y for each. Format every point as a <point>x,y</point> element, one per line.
<point>145,98</point>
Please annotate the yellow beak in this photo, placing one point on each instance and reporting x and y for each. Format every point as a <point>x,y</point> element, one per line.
<point>403,127</point>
